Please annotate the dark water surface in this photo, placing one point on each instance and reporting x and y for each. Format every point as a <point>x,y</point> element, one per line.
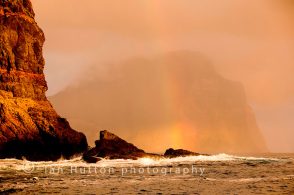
<point>218,174</point>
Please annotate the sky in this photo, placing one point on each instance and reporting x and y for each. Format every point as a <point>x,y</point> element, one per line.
<point>247,41</point>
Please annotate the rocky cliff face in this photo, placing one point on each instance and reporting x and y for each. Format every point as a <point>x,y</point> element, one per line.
<point>29,126</point>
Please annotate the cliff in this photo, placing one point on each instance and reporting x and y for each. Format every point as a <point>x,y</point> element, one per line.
<point>173,100</point>
<point>29,126</point>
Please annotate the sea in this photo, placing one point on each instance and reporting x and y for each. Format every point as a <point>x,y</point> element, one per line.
<point>214,174</point>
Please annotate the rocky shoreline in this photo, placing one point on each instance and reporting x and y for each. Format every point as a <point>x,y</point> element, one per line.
<point>110,146</point>
<point>29,126</point>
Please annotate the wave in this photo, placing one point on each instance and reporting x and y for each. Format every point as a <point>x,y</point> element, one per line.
<point>14,164</point>
<point>182,160</point>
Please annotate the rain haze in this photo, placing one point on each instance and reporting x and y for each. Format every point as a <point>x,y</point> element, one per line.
<point>250,42</point>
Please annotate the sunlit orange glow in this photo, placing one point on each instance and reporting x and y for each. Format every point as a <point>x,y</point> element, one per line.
<point>251,42</point>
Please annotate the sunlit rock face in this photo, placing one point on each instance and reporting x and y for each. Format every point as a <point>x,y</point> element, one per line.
<point>175,100</point>
<point>29,126</point>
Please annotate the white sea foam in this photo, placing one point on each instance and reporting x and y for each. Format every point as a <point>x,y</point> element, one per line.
<point>180,160</point>
<point>14,164</point>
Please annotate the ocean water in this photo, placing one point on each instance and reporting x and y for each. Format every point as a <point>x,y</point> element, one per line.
<point>216,174</point>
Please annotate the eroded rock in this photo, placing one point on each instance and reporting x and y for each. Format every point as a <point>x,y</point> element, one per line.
<point>29,126</point>
<point>172,153</point>
<point>112,147</point>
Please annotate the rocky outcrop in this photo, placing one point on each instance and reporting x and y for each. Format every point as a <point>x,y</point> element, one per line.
<point>112,147</point>
<point>172,153</point>
<point>29,126</point>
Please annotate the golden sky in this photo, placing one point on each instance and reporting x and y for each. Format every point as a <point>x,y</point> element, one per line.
<point>248,41</point>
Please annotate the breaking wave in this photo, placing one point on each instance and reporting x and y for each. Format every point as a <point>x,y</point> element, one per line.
<point>14,164</point>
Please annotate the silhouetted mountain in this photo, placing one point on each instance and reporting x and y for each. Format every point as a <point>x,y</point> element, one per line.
<point>175,100</point>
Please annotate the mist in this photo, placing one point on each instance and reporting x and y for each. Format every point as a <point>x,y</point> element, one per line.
<point>172,100</point>
<point>250,42</point>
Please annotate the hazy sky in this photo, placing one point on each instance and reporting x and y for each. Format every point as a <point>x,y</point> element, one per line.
<point>248,41</point>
